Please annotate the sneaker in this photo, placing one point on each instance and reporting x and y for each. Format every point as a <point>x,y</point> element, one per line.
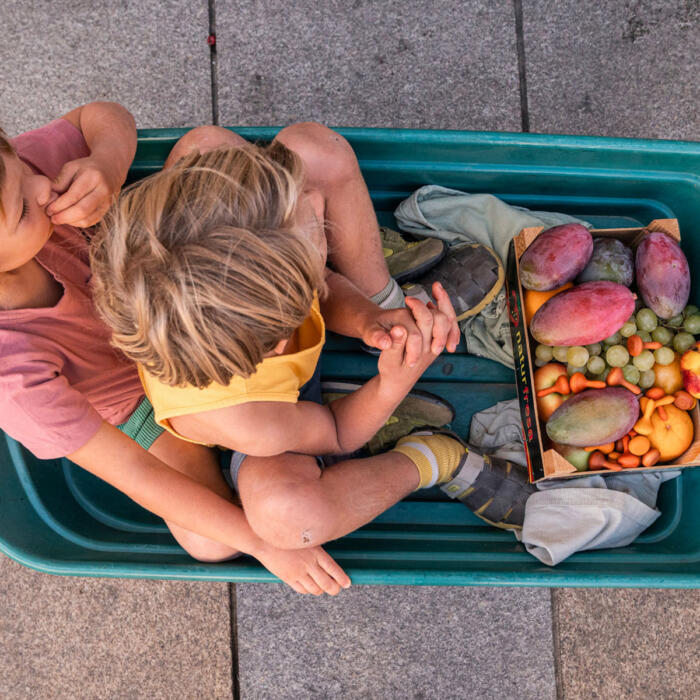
<point>472,274</point>
<point>419,408</point>
<point>408,260</point>
<point>494,489</point>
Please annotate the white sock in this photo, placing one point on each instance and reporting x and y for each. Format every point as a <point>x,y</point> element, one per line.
<point>391,297</point>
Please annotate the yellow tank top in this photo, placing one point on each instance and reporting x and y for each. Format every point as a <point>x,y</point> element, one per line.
<point>277,378</point>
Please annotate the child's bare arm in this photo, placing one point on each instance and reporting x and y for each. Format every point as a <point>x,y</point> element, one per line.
<point>177,498</point>
<point>265,429</point>
<point>86,186</point>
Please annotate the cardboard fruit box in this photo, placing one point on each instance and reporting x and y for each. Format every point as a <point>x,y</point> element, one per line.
<point>543,461</point>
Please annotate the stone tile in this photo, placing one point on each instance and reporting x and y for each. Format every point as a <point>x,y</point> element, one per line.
<point>395,642</point>
<point>104,638</point>
<point>627,643</point>
<point>150,56</point>
<point>449,64</point>
<point>613,68</point>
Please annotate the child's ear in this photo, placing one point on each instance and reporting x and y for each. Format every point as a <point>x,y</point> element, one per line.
<point>281,347</point>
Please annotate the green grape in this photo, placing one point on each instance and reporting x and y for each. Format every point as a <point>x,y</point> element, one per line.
<point>544,352</point>
<point>594,349</point>
<point>662,335</point>
<point>644,361</point>
<point>645,336</point>
<point>631,374</point>
<point>539,362</point>
<point>692,324</point>
<point>683,341</point>
<point>646,320</point>
<point>560,353</point>
<point>647,379</point>
<point>629,328</point>
<point>614,339</point>
<point>617,356</point>
<point>664,356</point>
<point>596,365</point>
<point>571,369</point>
<point>577,356</point>
<point>690,310</point>
<point>675,321</point>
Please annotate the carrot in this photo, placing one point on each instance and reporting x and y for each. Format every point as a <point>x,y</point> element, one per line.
<point>651,458</point>
<point>635,345</point>
<point>662,413</point>
<point>605,449</point>
<point>656,392</point>
<point>628,461</point>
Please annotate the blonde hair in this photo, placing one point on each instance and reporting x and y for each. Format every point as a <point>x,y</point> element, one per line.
<point>200,270</point>
<point>5,147</point>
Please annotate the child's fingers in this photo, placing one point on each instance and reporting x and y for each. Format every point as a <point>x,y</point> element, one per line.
<point>394,354</point>
<point>332,568</point>
<point>380,339</point>
<point>424,319</point>
<point>65,177</point>
<point>441,329</point>
<point>444,304</point>
<point>86,212</point>
<point>79,186</point>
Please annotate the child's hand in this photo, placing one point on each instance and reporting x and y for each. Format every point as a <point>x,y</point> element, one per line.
<point>435,325</point>
<point>378,334</point>
<point>310,570</point>
<point>86,187</point>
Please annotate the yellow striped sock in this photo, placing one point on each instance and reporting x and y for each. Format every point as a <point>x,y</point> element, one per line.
<point>436,456</point>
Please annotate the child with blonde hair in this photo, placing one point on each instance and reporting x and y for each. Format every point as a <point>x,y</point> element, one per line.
<point>65,391</point>
<point>211,275</point>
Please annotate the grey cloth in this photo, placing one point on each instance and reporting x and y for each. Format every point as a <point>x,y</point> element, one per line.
<point>567,516</point>
<point>458,217</point>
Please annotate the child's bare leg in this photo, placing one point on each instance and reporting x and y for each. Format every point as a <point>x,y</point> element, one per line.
<point>291,503</point>
<point>352,230</point>
<point>199,463</point>
<point>202,139</point>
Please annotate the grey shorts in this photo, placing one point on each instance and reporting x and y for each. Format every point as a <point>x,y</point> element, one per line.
<point>311,391</point>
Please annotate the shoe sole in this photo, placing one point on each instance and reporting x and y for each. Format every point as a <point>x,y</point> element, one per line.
<point>417,272</point>
<point>349,387</point>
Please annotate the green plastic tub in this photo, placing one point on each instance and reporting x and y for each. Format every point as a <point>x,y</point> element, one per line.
<point>59,519</point>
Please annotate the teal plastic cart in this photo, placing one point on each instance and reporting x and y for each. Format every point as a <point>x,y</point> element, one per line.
<point>59,519</point>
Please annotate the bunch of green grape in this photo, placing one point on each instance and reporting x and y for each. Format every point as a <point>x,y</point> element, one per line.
<point>676,335</point>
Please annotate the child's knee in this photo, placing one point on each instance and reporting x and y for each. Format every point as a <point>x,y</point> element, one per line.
<point>292,517</point>
<point>328,157</point>
<point>203,139</point>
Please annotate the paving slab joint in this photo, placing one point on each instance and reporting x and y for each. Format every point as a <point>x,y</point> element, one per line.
<point>214,63</point>
<point>233,622</point>
<point>556,652</point>
<point>522,78</point>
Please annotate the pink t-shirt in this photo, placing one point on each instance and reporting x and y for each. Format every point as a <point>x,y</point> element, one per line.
<point>59,376</point>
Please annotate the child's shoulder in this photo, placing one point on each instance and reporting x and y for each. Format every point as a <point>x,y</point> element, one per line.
<point>50,146</point>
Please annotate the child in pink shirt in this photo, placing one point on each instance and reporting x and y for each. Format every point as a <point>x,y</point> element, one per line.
<point>64,388</point>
